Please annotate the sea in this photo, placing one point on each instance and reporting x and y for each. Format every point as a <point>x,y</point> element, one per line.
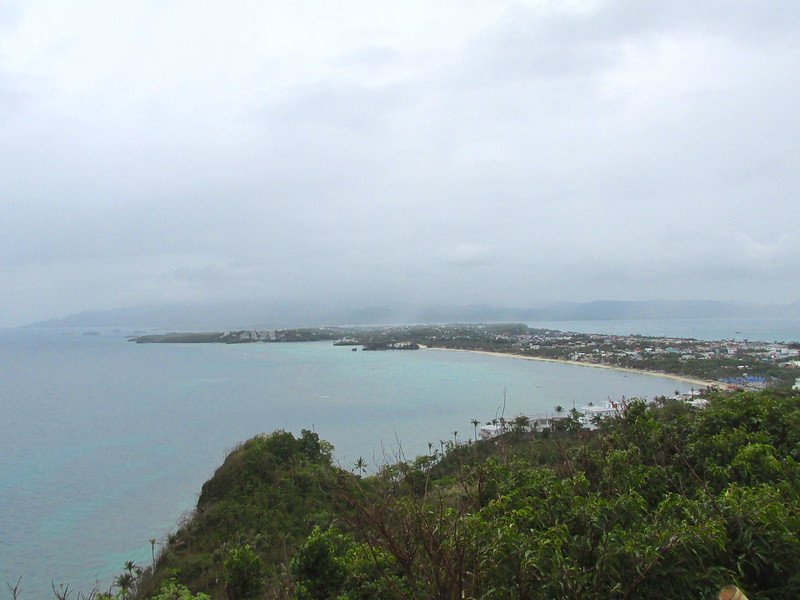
<point>753,329</point>
<point>105,444</point>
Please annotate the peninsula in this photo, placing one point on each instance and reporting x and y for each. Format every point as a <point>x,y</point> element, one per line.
<point>727,363</point>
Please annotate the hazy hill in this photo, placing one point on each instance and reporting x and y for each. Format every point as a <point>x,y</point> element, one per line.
<point>257,315</point>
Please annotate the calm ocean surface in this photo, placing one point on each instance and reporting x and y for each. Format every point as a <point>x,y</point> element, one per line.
<point>766,330</point>
<point>104,443</point>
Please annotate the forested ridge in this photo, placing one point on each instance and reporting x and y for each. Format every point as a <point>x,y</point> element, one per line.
<point>662,498</point>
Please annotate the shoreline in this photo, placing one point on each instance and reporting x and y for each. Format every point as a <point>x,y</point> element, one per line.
<point>700,382</point>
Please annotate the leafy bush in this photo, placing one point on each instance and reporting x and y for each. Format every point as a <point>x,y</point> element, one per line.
<point>244,572</point>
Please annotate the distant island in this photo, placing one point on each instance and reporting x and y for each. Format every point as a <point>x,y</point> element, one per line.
<point>742,364</point>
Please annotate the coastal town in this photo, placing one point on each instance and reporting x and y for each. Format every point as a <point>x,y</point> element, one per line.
<point>733,363</point>
<point>742,364</point>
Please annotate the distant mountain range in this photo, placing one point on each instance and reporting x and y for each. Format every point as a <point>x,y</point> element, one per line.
<point>206,317</point>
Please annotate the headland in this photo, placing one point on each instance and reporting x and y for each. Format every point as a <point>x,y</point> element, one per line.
<point>722,363</point>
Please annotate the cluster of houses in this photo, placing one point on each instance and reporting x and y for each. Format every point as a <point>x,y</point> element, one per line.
<point>587,416</point>
<point>253,335</point>
<point>645,352</point>
<point>584,347</point>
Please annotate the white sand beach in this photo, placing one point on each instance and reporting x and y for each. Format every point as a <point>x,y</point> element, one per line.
<point>701,383</point>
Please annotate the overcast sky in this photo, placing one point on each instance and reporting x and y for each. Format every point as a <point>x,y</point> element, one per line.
<point>512,153</point>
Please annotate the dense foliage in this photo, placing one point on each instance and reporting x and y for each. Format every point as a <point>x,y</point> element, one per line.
<point>661,497</point>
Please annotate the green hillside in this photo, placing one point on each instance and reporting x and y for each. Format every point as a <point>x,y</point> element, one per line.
<point>661,497</point>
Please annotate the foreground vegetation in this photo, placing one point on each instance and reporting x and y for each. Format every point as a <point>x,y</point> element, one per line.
<point>659,498</point>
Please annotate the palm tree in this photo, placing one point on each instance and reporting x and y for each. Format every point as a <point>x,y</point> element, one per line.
<point>430,445</point>
<point>124,581</point>
<point>455,438</point>
<point>361,466</point>
<point>475,424</point>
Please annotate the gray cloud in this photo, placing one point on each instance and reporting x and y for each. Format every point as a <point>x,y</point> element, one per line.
<point>510,152</point>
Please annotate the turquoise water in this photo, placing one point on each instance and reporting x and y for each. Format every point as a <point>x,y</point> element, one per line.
<point>106,443</point>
